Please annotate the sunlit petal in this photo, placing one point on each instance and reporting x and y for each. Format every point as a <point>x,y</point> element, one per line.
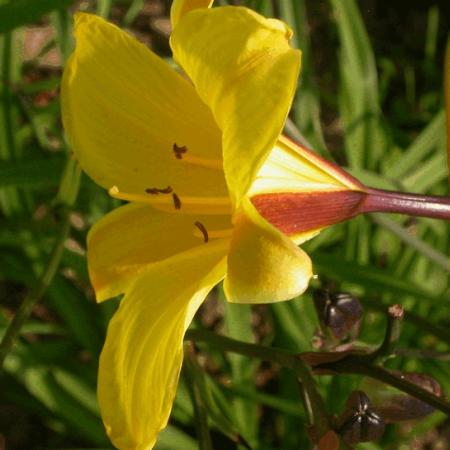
<point>180,7</point>
<point>127,240</point>
<point>141,360</point>
<point>243,68</point>
<point>124,109</point>
<point>264,265</point>
<point>292,168</point>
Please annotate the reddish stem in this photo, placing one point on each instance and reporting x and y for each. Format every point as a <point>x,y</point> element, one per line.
<point>378,200</point>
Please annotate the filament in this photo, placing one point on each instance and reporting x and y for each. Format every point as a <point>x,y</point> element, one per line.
<point>215,164</point>
<point>214,234</point>
<point>187,204</point>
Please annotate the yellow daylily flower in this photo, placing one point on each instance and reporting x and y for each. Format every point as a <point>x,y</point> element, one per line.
<point>216,192</point>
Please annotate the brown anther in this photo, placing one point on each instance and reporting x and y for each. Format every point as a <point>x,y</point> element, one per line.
<point>176,201</point>
<point>179,150</point>
<point>204,231</point>
<point>166,190</point>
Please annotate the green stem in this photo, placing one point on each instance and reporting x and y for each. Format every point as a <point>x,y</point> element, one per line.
<point>226,344</point>
<point>412,318</point>
<point>314,402</point>
<point>352,364</point>
<point>394,318</point>
<point>25,309</point>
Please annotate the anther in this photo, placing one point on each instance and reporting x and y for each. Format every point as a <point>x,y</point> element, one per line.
<point>179,150</point>
<point>166,190</point>
<point>176,201</point>
<point>204,231</point>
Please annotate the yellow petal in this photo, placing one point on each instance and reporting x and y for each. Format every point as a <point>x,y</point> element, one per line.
<point>264,265</point>
<point>181,7</point>
<point>141,360</point>
<point>244,69</point>
<point>127,240</point>
<point>124,109</point>
<point>292,168</point>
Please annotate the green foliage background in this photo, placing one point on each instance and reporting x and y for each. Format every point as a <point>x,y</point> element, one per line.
<point>370,96</point>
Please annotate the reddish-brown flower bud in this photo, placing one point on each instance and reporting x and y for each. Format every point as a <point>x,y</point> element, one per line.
<point>296,212</point>
<point>359,422</point>
<point>340,312</point>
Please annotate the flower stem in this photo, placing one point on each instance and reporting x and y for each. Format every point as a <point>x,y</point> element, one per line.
<point>377,200</point>
<point>386,349</point>
<point>351,364</point>
<point>314,403</point>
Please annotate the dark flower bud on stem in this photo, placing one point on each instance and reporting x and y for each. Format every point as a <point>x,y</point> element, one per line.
<point>359,422</point>
<point>338,312</point>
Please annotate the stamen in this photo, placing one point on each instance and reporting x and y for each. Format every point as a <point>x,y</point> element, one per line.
<point>215,234</point>
<point>180,153</point>
<point>176,201</point>
<point>166,190</point>
<point>179,150</point>
<point>214,164</point>
<point>203,230</point>
<point>191,204</point>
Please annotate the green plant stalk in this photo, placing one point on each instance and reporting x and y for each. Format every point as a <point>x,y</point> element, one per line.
<point>394,316</point>
<point>412,318</point>
<point>315,406</point>
<point>351,364</point>
<point>25,309</point>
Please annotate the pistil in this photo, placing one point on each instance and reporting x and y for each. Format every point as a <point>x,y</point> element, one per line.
<point>212,234</point>
<point>215,164</point>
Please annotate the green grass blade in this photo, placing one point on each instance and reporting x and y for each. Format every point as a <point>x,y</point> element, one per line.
<point>359,104</point>
<point>238,323</point>
<point>422,146</point>
<point>371,278</point>
<point>306,103</point>
<point>37,172</point>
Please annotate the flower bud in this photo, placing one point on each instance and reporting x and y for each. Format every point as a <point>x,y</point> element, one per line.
<point>359,422</point>
<point>340,312</point>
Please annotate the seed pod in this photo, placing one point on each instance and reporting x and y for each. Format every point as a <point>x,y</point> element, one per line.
<point>340,312</point>
<point>359,423</point>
